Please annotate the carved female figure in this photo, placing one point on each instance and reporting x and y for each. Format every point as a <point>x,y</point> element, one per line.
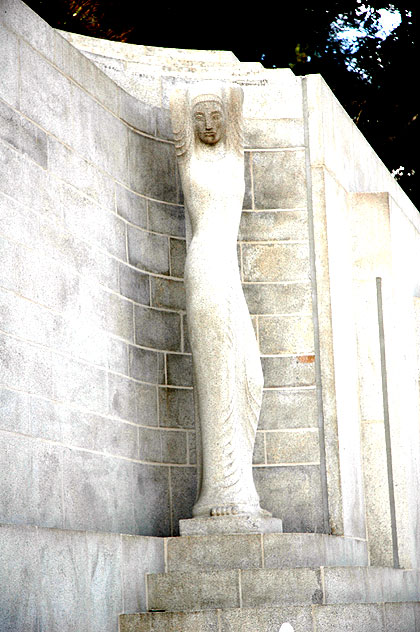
<point>207,124</point>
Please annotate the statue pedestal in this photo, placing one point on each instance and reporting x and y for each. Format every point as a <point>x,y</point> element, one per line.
<point>214,525</point>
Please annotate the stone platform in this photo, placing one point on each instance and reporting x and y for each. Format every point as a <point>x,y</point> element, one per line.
<point>257,582</point>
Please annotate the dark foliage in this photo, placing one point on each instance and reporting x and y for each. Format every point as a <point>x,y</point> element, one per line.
<point>373,81</point>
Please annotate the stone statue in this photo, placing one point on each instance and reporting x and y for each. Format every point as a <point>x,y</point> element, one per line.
<point>228,380</point>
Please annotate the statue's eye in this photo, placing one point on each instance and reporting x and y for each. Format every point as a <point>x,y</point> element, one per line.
<point>198,116</point>
<point>216,116</point>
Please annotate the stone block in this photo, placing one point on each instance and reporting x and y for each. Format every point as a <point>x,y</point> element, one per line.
<point>23,135</point>
<point>206,621</point>
<point>90,222</point>
<point>81,384</point>
<point>76,65</point>
<point>167,293</point>
<point>369,584</point>
<point>31,474</point>
<point>267,619</point>
<point>168,219</point>
<point>259,456</point>
<point>150,448</point>
<point>87,178</point>
<point>350,617</point>
<point>146,365</point>
<point>23,368</point>
<point>286,334</point>
<point>268,587</point>
<point>63,555</point>
<point>19,578</point>
<point>134,284</point>
<point>177,253</point>
<point>400,616</point>
<point>98,492</point>
<point>378,513</point>
<point>278,298</point>
<point>275,262</point>
<point>183,494</point>
<point>285,187</point>
<point>157,328</point>
<point>152,168</point>
<point>150,551</point>
<point>15,411</point>
<point>47,419</point>
<point>113,312</point>
<point>85,258</point>
<point>269,134</point>
<point>176,408</point>
<point>248,201</point>
<point>148,251</point>
<point>279,98</point>
<point>163,123</point>
<point>141,116</point>
<point>134,622</point>
<point>101,434</point>
<point>122,397</point>
<point>9,73</point>
<point>52,107</point>
<point>118,356</point>
<point>174,446</point>
<point>19,18</point>
<point>151,500</point>
<point>146,404</point>
<point>99,136</point>
<point>179,369</point>
<point>18,225</point>
<point>283,409</point>
<point>292,493</point>
<point>192,448</point>
<point>311,550</point>
<point>131,206</point>
<point>193,591</point>
<point>292,446</point>
<point>103,569</point>
<point>32,191</point>
<point>215,552</point>
<point>288,370</point>
<point>273,225</point>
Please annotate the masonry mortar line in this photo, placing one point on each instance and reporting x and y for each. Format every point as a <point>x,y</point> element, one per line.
<point>262,550</point>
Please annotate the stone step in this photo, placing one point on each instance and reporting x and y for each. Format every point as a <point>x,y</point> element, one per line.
<point>268,587</point>
<point>270,550</point>
<point>352,617</point>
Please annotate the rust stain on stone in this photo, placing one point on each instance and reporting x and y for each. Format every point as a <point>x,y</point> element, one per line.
<point>306,359</point>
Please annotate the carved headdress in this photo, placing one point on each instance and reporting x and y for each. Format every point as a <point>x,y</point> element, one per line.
<point>230,97</point>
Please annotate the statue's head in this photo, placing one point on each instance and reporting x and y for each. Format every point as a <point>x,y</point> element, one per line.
<point>209,121</point>
<point>207,113</point>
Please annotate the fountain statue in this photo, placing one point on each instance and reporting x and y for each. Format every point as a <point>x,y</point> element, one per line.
<point>228,380</point>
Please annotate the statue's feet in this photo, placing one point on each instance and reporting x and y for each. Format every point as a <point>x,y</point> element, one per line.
<point>224,510</point>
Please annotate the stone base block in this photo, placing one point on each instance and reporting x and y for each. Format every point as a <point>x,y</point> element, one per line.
<point>268,550</point>
<point>353,617</point>
<point>230,524</point>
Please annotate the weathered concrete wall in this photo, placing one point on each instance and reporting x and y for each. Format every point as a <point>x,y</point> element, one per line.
<point>91,300</point>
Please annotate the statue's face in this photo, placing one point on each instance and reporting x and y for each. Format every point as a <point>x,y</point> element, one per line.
<point>209,122</point>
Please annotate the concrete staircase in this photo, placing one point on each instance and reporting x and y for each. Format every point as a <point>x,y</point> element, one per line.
<point>257,582</point>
